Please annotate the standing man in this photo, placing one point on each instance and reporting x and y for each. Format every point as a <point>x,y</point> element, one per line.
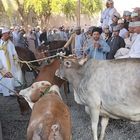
<point>97,48</point>
<point>76,41</point>
<point>43,37</point>
<point>15,35</point>
<point>62,34</point>
<point>8,56</point>
<point>107,14</point>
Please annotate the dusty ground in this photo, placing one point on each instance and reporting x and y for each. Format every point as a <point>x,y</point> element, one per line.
<point>14,125</point>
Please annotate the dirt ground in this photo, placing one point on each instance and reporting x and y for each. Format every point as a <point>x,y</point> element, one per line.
<point>14,125</point>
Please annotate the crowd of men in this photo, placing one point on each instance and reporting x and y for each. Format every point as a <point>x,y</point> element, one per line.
<point>117,37</point>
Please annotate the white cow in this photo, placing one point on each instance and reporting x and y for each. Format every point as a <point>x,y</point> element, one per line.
<point>107,88</point>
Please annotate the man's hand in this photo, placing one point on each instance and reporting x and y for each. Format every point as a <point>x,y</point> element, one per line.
<point>6,74</point>
<point>97,45</point>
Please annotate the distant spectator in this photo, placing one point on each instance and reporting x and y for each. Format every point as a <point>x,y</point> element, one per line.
<point>135,16</point>
<point>107,35</point>
<point>15,35</point>
<point>63,35</point>
<point>38,33</point>
<point>21,42</point>
<point>50,37</point>
<point>31,40</point>
<point>43,36</point>
<point>115,18</point>
<point>127,18</point>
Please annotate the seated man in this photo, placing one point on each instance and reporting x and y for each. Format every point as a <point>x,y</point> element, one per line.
<point>135,48</point>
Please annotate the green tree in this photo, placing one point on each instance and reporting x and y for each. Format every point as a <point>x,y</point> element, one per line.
<point>91,7</point>
<point>44,8</point>
<point>41,7</point>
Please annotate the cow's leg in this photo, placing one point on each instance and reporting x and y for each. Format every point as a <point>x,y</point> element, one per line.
<point>68,87</point>
<point>35,73</point>
<point>29,133</point>
<point>24,79</point>
<point>94,114</point>
<point>65,89</point>
<point>104,123</point>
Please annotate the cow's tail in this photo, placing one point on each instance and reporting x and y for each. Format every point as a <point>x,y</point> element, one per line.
<point>53,134</point>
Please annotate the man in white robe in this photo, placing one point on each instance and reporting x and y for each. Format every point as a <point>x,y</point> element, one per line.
<point>135,48</point>
<point>8,58</point>
<point>107,14</point>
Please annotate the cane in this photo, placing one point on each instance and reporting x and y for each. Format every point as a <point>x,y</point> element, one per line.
<point>9,89</point>
<point>95,53</point>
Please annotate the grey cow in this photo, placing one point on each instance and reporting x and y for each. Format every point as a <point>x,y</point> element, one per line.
<point>107,88</point>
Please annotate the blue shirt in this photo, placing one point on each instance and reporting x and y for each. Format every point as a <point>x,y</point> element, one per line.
<point>97,53</point>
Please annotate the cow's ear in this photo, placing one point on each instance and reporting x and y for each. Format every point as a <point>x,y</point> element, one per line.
<point>83,61</point>
<point>67,64</point>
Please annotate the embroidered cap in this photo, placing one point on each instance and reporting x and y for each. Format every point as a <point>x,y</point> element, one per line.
<point>131,24</point>
<point>77,28</point>
<point>136,23</point>
<point>117,15</point>
<point>116,28</point>
<point>120,21</point>
<point>110,1</point>
<point>134,14</point>
<point>106,31</point>
<point>106,26</point>
<point>126,13</point>
<point>5,30</point>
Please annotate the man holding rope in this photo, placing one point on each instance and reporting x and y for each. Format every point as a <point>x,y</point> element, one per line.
<point>4,72</point>
<point>10,71</point>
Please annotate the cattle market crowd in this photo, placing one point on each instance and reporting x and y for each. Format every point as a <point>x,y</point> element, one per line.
<point>117,37</point>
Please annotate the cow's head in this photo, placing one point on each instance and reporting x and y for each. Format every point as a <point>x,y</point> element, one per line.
<point>68,67</point>
<point>33,93</point>
<point>37,89</point>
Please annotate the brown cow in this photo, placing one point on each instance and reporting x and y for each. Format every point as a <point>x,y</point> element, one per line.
<point>50,118</point>
<point>25,54</point>
<point>47,73</point>
<point>52,48</point>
